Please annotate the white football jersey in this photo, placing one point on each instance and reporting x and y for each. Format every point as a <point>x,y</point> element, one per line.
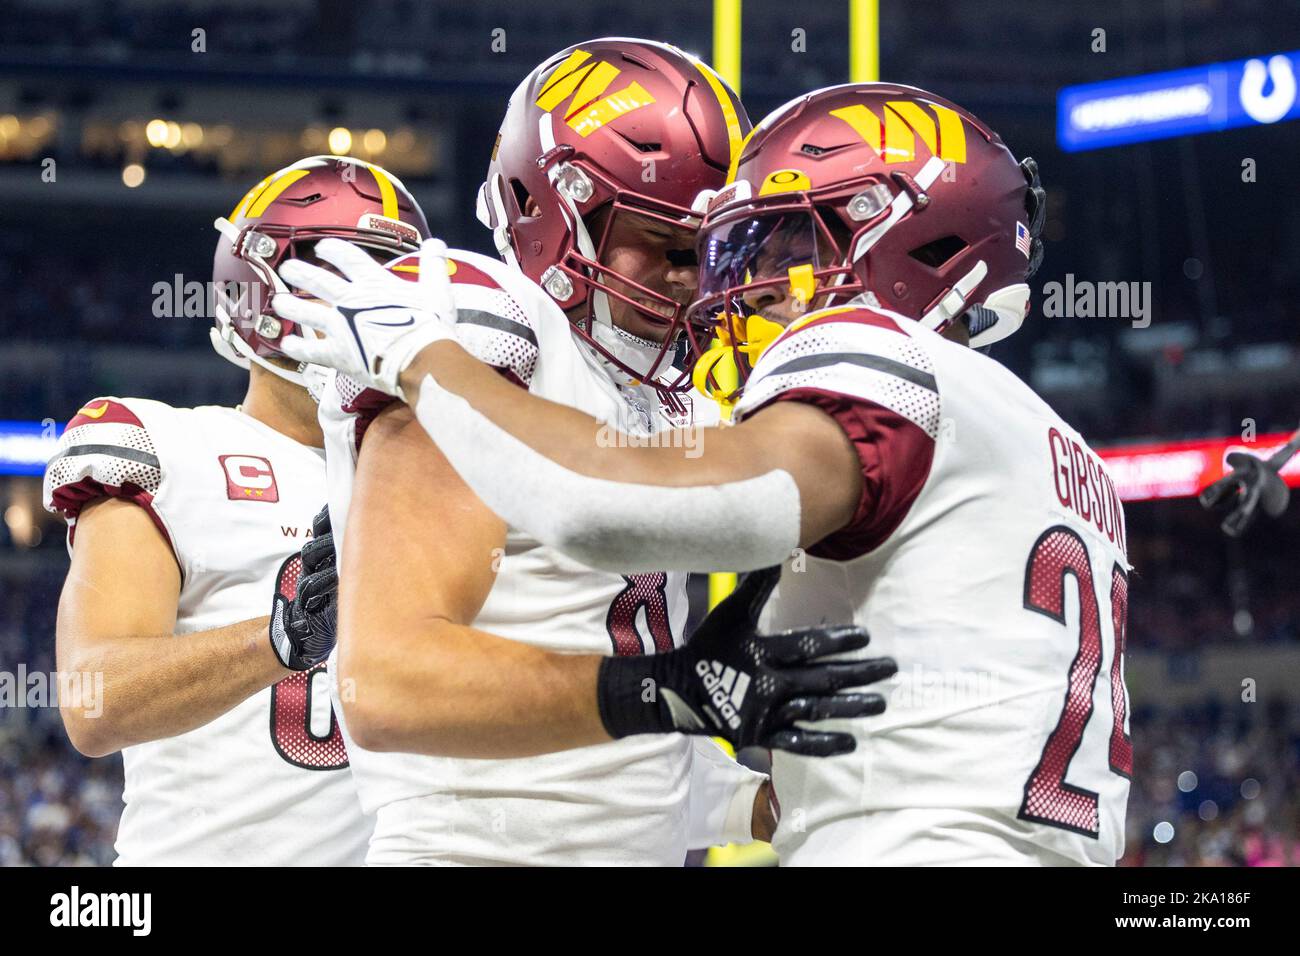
<point>987,556</point>
<point>267,782</point>
<point>620,803</point>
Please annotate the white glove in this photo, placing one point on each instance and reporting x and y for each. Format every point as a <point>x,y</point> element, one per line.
<point>374,322</point>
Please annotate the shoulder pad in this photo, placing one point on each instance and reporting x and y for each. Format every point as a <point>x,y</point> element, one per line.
<point>855,351</point>
<point>492,322</point>
<point>105,451</point>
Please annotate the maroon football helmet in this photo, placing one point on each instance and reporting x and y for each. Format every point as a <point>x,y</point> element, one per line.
<point>616,127</point>
<point>283,217</point>
<point>875,190</point>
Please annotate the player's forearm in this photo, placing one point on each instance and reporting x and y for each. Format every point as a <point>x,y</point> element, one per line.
<point>571,438</point>
<point>148,687</point>
<point>455,691</point>
<point>531,489</point>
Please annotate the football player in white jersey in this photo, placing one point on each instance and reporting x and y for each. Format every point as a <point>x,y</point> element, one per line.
<point>180,524</point>
<point>601,151</point>
<point>869,234</point>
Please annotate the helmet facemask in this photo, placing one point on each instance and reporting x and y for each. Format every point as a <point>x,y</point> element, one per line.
<point>263,246</point>
<point>763,265</point>
<point>583,280</point>
<point>601,139</point>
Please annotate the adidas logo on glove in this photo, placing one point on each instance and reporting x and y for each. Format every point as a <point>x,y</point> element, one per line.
<point>726,687</point>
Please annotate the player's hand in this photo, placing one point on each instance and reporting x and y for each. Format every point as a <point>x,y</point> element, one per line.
<point>304,612</point>
<point>373,321</point>
<point>751,689</point>
<point>1252,485</point>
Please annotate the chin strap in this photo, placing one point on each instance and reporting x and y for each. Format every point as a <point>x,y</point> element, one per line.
<point>234,349</point>
<point>582,238</point>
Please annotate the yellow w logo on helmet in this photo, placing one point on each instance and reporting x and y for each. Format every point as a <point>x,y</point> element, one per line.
<point>895,141</point>
<point>583,84</point>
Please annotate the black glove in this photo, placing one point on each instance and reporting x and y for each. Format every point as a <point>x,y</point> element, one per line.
<point>730,681</point>
<point>1252,484</point>
<point>305,609</point>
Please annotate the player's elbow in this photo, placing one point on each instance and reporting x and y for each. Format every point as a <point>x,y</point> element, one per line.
<point>370,727</point>
<point>381,726</point>
<point>372,692</point>
<point>367,703</point>
<point>374,718</point>
<point>89,734</point>
<point>388,704</point>
<point>80,691</point>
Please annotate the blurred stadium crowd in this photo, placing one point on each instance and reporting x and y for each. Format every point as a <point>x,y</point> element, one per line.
<point>1214,784</point>
<point>56,807</point>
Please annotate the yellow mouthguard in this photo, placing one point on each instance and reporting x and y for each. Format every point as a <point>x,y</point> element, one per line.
<point>720,360</point>
<point>802,284</point>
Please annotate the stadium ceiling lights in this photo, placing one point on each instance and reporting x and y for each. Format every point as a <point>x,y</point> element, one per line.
<point>1201,99</point>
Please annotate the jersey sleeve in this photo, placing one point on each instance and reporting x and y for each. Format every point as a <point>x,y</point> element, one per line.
<point>878,383</point>
<point>721,797</point>
<point>492,325</point>
<point>357,401</point>
<point>105,452</point>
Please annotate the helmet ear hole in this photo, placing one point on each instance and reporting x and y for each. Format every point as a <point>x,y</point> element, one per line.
<point>528,206</point>
<point>940,252</point>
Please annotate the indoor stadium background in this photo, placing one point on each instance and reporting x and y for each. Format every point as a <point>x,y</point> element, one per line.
<point>122,137</point>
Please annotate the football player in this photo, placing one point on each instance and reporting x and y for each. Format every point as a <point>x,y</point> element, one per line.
<point>871,239</point>
<point>181,524</point>
<point>602,149</point>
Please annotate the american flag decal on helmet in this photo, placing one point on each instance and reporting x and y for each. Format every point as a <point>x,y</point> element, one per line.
<point>1022,238</point>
